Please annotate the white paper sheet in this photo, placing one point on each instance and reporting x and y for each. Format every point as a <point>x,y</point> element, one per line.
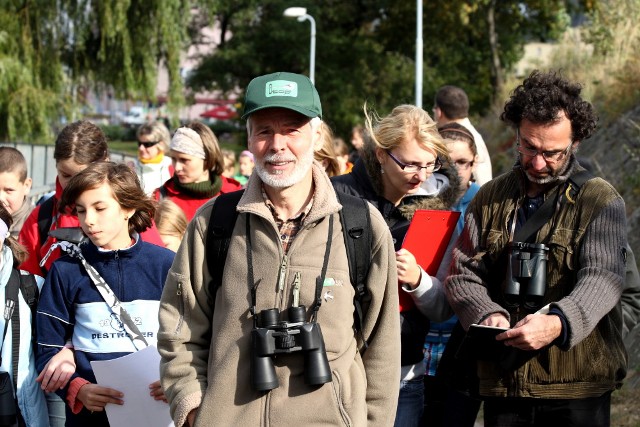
<point>132,374</point>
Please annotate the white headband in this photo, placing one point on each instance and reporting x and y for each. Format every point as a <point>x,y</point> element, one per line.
<point>4,230</point>
<point>187,141</point>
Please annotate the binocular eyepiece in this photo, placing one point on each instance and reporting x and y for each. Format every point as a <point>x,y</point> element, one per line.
<point>273,336</point>
<point>526,281</point>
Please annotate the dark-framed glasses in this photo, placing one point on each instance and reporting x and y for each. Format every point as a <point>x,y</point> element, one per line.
<point>406,168</point>
<point>551,156</point>
<point>147,144</point>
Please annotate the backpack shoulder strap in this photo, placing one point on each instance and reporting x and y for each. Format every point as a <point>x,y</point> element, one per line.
<point>11,294</point>
<point>45,218</point>
<point>356,227</point>
<point>223,218</point>
<point>162,193</point>
<point>31,294</point>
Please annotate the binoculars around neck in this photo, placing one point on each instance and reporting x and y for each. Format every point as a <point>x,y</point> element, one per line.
<point>272,336</point>
<point>526,281</point>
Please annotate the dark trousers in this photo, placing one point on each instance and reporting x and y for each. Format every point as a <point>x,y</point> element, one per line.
<point>445,407</point>
<point>507,412</point>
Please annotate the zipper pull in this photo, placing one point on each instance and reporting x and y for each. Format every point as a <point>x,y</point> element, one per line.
<point>179,290</point>
<point>296,289</point>
<point>281,275</point>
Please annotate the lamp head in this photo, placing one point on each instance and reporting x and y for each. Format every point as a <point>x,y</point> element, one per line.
<point>295,12</point>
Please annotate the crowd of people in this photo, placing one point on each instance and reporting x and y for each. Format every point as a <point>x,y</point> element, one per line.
<point>268,305</point>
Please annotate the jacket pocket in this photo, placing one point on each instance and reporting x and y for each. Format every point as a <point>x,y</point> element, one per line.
<point>337,393</point>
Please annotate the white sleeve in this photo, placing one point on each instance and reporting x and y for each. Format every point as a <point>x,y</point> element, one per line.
<point>430,298</point>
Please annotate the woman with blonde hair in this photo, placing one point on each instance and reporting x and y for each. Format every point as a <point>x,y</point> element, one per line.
<point>198,164</point>
<point>401,151</point>
<point>153,166</point>
<point>326,155</point>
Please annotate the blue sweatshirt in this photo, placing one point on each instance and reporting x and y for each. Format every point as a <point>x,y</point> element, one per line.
<point>71,307</point>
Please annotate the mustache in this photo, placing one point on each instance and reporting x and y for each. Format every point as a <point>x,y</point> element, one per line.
<point>274,158</point>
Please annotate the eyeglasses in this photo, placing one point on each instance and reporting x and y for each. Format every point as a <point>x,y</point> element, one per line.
<point>464,164</point>
<point>550,156</point>
<point>430,167</point>
<point>147,144</point>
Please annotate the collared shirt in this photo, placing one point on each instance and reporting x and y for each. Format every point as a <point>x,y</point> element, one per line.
<point>288,228</point>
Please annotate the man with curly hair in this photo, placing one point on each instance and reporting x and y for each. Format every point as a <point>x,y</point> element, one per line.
<point>563,353</point>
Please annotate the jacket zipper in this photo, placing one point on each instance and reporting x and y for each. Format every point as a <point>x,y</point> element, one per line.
<point>282,274</point>
<point>296,289</point>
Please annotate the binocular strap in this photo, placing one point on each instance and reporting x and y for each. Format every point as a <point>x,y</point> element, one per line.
<point>319,280</point>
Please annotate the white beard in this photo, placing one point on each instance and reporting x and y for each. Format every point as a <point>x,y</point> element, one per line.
<point>278,179</point>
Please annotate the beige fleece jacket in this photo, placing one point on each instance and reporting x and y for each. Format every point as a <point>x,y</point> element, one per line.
<point>206,351</point>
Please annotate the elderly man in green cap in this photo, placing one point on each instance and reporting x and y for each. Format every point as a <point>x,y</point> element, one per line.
<point>267,335</point>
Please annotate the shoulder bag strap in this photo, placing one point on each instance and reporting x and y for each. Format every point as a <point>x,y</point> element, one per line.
<point>545,212</point>
<point>109,297</point>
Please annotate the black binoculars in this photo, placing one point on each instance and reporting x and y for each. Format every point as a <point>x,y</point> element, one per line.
<point>272,336</point>
<point>526,281</point>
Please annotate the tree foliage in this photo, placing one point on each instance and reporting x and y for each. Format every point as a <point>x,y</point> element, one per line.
<point>51,51</point>
<point>365,49</point>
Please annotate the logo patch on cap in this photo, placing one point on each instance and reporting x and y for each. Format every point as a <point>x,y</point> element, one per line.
<point>281,88</point>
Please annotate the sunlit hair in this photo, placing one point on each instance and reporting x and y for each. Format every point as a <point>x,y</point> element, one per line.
<point>214,160</point>
<point>170,219</point>
<point>124,185</point>
<point>12,161</point>
<point>19,252</point>
<point>81,141</point>
<point>404,123</point>
<point>453,131</point>
<point>156,132</point>
<point>326,154</point>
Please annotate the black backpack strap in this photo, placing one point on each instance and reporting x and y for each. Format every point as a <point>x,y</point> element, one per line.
<point>45,218</point>
<point>31,294</point>
<point>221,223</point>
<point>356,227</point>
<point>11,294</point>
<point>162,192</point>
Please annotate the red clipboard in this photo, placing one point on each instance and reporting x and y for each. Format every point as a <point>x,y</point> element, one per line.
<point>427,239</point>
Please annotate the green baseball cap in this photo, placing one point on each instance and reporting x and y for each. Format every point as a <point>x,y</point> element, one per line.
<point>284,90</point>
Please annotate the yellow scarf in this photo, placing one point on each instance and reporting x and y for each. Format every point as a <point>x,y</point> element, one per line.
<point>155,160</point>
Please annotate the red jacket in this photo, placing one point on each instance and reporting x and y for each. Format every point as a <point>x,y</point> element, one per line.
<point>30,237</point>
<point>188,203</point>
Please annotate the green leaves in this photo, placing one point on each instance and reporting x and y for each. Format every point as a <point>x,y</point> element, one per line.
<point>50,51</point>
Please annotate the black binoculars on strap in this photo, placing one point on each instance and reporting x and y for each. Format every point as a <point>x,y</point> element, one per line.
<point>272,336</point>
<point>526,281</point>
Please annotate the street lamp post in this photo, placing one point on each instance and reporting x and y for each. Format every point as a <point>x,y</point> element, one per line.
<point>419,53</point>
<point>302,15</point>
